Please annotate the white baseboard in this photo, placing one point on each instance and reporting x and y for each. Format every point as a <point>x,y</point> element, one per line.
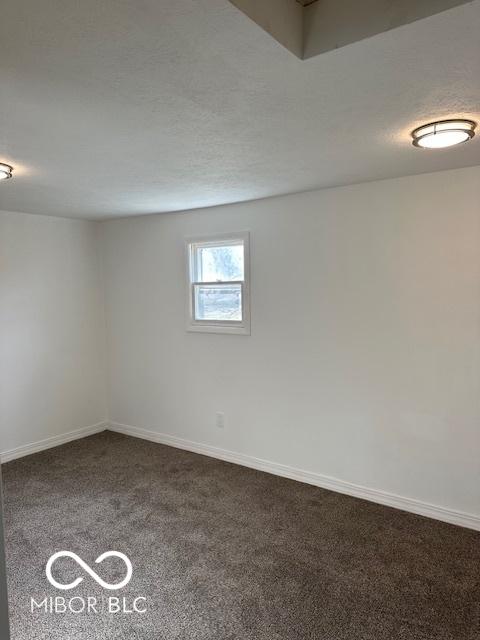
<point>459,518</point>
<point>54,441</point>
<point>326,482</point>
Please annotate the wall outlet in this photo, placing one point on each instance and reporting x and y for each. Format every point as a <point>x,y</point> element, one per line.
<point>220,420</point>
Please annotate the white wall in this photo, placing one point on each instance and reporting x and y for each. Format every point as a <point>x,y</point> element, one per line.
<point>364,358</point>
<point>52,339</point>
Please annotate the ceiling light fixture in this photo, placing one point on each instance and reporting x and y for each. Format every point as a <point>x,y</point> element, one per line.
<point>5,171</point>
<point>445,133</point>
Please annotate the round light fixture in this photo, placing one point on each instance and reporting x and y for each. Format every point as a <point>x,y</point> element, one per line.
<point>5,171</point>
<point>445,133</point>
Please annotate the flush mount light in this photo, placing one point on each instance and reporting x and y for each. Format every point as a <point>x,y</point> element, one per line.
<point>5,171</point>
<point>445,133</point>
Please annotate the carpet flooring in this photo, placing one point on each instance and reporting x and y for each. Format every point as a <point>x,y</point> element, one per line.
<point>222,552</point>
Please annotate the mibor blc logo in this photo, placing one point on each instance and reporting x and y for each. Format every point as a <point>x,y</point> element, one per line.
<point>87,569</point>
<point>90,604</point>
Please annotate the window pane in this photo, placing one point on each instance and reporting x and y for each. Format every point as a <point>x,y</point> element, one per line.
<point>219,264</point>
<point>217,302</point>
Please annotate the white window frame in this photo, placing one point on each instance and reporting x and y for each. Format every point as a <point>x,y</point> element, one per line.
<point>218,326</point>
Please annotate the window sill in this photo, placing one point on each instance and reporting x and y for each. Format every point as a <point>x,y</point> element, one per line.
<point>218,328</point>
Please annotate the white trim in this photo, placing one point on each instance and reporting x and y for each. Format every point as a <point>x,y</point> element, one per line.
<point>54,441</point>
<point>222,328</point>
<point>459,518</point>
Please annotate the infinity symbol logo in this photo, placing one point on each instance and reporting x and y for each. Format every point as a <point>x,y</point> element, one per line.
<point>87,569</point>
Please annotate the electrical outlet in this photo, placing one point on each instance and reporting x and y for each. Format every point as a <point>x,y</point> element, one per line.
<point>220,420</point>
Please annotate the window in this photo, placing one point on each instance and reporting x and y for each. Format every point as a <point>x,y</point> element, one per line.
<point>219,284</point>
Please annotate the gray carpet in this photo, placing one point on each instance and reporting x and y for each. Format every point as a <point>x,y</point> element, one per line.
<point>223,552</point>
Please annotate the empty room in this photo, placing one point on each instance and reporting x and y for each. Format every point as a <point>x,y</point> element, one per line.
<point>240,320</point>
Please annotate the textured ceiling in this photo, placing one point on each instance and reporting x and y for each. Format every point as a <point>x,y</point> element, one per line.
<point>119,108</point>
